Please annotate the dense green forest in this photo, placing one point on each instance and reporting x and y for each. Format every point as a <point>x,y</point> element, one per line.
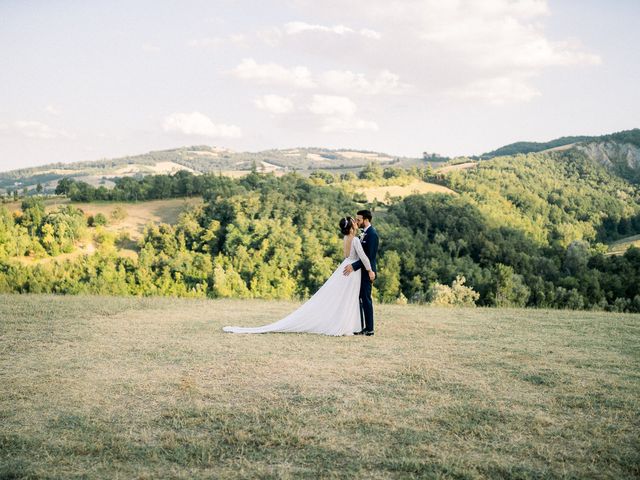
<point>150,187</point>
<point>185,184</point>
<point>528,230</point>
<point>553,198</point>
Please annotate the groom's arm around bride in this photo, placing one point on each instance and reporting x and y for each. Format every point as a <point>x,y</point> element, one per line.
<point>369,242</point>
<point>370,247</point>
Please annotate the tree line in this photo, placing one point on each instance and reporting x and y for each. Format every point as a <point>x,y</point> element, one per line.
<point>523,233</point>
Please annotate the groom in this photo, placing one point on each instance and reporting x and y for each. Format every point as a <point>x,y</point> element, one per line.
<point>369,242</point>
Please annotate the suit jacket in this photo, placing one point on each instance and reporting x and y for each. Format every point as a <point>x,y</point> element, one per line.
<point>370,246</point>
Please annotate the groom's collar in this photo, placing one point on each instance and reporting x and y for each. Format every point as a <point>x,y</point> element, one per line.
<point>366,228</point>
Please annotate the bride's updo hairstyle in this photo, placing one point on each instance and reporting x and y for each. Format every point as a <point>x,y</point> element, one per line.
<point>345,225</point>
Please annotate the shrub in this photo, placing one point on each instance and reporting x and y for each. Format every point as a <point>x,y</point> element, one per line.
<point>457,295</point>
<point>118,213</point>
<point>99,219</point>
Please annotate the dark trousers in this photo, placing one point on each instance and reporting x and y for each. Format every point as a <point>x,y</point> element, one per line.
<point>366,304</point>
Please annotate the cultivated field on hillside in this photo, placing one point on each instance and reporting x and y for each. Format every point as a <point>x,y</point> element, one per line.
<point>137,214</point>
<point>620,246</point>
<point>417,186</point>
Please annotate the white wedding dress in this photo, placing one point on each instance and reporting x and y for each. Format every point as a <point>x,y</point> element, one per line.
<point>333,310</point>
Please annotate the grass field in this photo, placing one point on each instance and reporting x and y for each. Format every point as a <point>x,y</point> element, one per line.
<point>138,214</point>
<point>95,387</point>
<point>619,247</point>
<point>417,186</point>
<point>458,166</point>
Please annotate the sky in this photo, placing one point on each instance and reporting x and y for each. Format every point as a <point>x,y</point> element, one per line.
<point>91,80</point>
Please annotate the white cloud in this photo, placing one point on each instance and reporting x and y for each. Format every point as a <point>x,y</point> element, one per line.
<point>238,38</point>
<point>151,48</point>
<point>346,125</point>
<point>212,42</point>
<point>498,34</point>
<point>385,83</point>
<point>365,32</point>
<point>436,45</point>
<point>275,104</point>
<point>505,42</point>
<point>53,110</point>
<point>332,105</point>
<point>273,74</point>
<point>196,123</point>
<point>338,114</point>
<point>330,113</point>
<point>34,129</point>
<point>270,36</point>
<point>295,28</point>
<point>346,80</point>
<point>205,42</point>
<point>497,91</point>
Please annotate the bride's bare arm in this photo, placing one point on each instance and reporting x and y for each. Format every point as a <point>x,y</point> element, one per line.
<point>363,256</point>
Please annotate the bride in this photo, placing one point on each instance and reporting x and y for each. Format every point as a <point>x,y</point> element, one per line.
<point>335,308</point>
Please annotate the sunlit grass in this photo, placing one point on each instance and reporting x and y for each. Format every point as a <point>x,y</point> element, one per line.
<point>107,387</point>
<point>414,187</point>
<point>619,247</point>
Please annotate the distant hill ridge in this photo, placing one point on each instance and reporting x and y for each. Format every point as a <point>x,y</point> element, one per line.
<point>619,152</point>
<point>198,159</point>
<point>625,136</point>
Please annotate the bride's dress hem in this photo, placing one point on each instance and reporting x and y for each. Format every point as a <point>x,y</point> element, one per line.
<point>240,332</point>
<point>333,310</point>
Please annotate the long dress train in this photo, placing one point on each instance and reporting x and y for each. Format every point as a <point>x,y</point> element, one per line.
<point>333,310</point>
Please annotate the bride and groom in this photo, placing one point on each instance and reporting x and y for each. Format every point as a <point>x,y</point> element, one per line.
<point>343,305</point>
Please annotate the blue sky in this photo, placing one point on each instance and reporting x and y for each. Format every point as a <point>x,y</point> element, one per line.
<point>90,80</point>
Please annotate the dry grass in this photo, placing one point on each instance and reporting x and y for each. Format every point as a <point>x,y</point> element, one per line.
<point>620,247</point>
<point>559,149</point>
<point>417,186</point>
<point>97,387</point>
<point>157,168</point>
<point>138,213</point>
<point>141,213</point>
<point>459,166</point>
<point>350,154</point>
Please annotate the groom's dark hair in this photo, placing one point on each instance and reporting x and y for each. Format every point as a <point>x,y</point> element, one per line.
<point>366,214</point>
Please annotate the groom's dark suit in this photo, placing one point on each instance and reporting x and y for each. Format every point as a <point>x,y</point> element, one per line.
<point>370,246</point>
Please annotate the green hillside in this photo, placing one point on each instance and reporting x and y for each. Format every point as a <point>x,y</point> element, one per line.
<point>200,159</point>
<point>552,197</point>
<point>532,147</point>
<point>626,136</point>
<point>521,231</point>
<point>103,387</point>
<point>524,230</point>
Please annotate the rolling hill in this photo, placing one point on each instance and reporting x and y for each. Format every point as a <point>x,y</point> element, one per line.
<point>533,147</point>
<point>619,152</point>
<point>198,159</point>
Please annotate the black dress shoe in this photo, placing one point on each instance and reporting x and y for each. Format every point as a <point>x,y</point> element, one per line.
<point>362,332</point>
<point>368,333</point>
